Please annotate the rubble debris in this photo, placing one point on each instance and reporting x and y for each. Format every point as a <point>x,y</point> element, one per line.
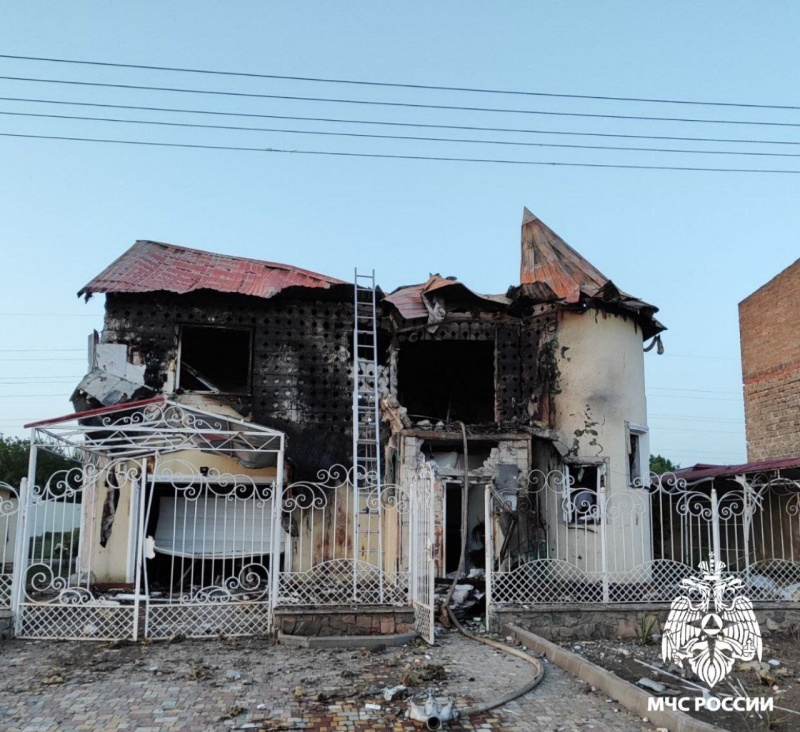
<point>396,691</point>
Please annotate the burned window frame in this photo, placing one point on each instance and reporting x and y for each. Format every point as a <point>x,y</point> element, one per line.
<point>247,389</point>
<point>635,467</point>
<point>593,513</point>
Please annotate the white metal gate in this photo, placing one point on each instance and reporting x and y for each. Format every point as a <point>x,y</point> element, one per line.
<point>147,534</point>
<point>210,547</point>
<point>9,523</point>
<point>422,579</point>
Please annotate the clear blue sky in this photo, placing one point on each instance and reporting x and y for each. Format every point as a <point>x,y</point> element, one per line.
<point>692,243</point>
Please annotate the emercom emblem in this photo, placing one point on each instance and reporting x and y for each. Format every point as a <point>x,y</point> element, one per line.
<point>711,625</point>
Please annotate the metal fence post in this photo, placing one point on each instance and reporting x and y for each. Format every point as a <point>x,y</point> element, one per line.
<point>488,549</point>
<point>604,533</point>
<point>138,486</point>
<point>21,580</point>
<point>715,526</point>
<point>276,530</point>
<point>19,562</point>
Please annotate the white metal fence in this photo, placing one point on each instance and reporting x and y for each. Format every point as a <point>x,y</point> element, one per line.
<point>170,544</point>
<point>9,521</point>
<point>553,541</point>
<point>422,540</point>
<point>347,541</point>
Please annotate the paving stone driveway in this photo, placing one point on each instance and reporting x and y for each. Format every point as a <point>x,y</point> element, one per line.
<point>238,684</point>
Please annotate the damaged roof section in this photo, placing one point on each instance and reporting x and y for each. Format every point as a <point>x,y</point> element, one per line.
<point>423,300</point>
<point>552,271</point>
<point>150,266</point>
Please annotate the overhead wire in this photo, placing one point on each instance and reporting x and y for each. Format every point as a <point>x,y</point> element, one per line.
<point>365,135</point>
<point>396,156</point>
<point>390,104</point>
<point>400,85</point>
<point>392,123</point>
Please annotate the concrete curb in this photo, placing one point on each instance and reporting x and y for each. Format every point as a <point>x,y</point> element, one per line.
<point>630,696</point>
<point>344,641</point>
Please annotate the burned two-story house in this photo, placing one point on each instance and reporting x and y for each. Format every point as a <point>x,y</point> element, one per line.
<point>300,418</point>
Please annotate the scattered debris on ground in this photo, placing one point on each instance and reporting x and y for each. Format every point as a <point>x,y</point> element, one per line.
<point>777,675</point>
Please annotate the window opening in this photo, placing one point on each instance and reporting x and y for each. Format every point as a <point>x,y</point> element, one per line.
<point>215,359</point>
<point>634,447</point>
<point>581,490</point>
<point>447,380</point>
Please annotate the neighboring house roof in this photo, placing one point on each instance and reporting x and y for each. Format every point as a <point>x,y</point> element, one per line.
<point>418,301</point>
<point>150,266</point>
<point>703,471</point>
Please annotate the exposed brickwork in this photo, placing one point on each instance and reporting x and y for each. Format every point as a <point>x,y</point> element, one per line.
<point>301,359</point>
<point>317,622</point>
<point>768,322</point>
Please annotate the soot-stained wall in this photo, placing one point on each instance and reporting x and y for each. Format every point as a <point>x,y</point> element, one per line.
<point>301,359</point>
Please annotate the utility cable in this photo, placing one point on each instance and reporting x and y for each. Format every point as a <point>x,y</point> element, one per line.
<point>366,135</point>
<point>403,105</point>
<point>388,156</point>
<point>386,123</point>
<point>400,85</point>
<point>539,675</point>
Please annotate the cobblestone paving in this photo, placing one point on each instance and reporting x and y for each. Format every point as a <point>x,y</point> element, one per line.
<point>250,684</point>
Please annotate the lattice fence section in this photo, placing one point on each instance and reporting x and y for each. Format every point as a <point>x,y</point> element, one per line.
<point>77,622</point>
<point>6,581</point>
<point>208,620</point>
<point>562,537</point>
<point>773,579</point>
<point>343,582</point>
<point>545,581</point>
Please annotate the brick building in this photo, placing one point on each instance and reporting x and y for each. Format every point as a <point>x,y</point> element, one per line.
<point>768,322</point>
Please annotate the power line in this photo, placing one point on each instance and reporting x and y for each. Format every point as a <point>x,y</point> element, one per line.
<point>684,417</point>
<point>690,355</point>
<point>28,360</point>
<point>30,396</point>
<point>39,350</point>
<point>385,123</point>
<point>404,105</point>
<point>365,135</point>
<point>387,156</point>
<point>398,85</point>
<point>686,396</point>
<point>699,391</point>
<point>683,429</point>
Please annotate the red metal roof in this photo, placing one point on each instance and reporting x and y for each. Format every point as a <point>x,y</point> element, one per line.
<point>701,471</point>
<point>410,300</point>
<point>150,266</point>
<point>98,412</point>
<point>548,259</point>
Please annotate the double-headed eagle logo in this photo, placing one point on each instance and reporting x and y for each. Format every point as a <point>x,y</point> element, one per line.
<point>711,625</point>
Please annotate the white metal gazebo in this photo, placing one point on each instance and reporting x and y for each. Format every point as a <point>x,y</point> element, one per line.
<point>178,529</point>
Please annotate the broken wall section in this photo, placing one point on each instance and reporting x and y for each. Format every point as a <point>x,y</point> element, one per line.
<point>300,361</point>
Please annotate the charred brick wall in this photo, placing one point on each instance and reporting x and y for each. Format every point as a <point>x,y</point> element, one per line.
<point>301,369</point>
<point>768,327</point>
<point>526,374</point>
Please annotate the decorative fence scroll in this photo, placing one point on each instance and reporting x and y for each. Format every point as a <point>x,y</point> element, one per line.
<point>9,521</point>
<point>347,541</point>
<point>555,542</point>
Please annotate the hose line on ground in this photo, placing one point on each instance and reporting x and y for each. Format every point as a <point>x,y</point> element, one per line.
<point>485,706</point>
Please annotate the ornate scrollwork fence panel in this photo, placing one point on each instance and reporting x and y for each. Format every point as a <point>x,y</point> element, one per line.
<point>422,538</point>
<point>9,525</point>
<point>58,598</point>
<point>347,541</point>
<point>554,541</point>
<point>208,551</point>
